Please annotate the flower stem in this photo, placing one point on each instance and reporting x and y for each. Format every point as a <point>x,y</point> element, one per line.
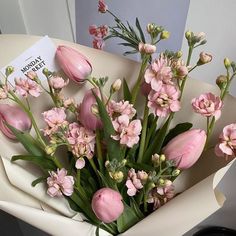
<point>139,80</point>
<point>144,132</point>
<point>150,132</point>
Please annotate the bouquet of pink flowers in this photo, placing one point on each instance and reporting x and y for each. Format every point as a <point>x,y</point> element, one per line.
<point>115,161</point>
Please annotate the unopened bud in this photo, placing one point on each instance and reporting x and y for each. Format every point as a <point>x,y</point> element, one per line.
<point>176,172</point>
<point>123,163</point>
<point>221,81</point>
<point>179,54</point>
<point>200,36</point>
<point>117,176</point>
<point>162,157</point>
<point>45,72</point>
<point>50,149</point>
<point>168,182</point>
<point>204,58</point>
<point>161,182</point>
<point>9,70</point>
<point>227,63</point>
<point>165,34</point>
<point>151,28</point>
<point>188,34</point>
<point>94,109</point>
<point>107,163</point>
<point>32,75</point>
<point>116,85</point>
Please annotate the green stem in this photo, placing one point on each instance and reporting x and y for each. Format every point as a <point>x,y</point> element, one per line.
<point>57,163</point>
<point>139,80</point>
<point>144,132</point>
<point>99,150</point>
<point>91,82</point>
<point>78,178</point>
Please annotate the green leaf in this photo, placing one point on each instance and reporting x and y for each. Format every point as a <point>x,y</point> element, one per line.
<point>107,182</point>
<point>29,143</point>
<point>130,52</point>
<point>178,129</point>
<point>140,30</point>
<point>38,180</point>
<point>73,205</point>
<point>136,208</point>
<point>127,219</point>
<point>113,147</point>
<point>43,162</point>
<point>126,91</point>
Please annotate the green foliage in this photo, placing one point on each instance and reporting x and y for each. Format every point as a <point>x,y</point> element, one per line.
<point>126,91</point>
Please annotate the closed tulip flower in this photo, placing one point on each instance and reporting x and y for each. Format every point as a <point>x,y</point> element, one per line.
<point>87,116</point>
<point>15,117</point>
<point>107,205</point>
<point>74,64</point>
<point>186,148</point>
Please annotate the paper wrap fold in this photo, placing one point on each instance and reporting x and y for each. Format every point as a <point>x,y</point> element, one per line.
<point>33,205</point>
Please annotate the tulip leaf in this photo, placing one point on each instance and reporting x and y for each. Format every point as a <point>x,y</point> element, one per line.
<point>127,219</point>
<point>126,91</point>
<point>30,144</point>
<point>38,180</point>
<point>113,147</point>
<point>43,162</point>
<point>178,129</point>
<point>136,208</point>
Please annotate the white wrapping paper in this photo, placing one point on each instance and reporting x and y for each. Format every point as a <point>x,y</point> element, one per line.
<point>53,216</point>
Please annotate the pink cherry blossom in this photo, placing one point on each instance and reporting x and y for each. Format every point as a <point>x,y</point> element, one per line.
<point>60,183</point>
<point>133,183</point>
<point>227,142</point>
<point>82,141</point>
<point>57,82</point>
<point>25,87</point>
<point>102,7</point>
<point>158,73</point>
<point>127,132</point>
<point>208,105</point>
<point>164,101</point>
<point>116,109</point>
<point>54,118</point>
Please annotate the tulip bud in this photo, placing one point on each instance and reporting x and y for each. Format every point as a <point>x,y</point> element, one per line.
<point>74,64</point>
<point>186,148</point>
<point>9,70</point>
<point>165,34</point>
<point>15,117</point>
<point>107,205</point>
<point>116,85</point>
<point>227,63</point>
<point>86,116</point>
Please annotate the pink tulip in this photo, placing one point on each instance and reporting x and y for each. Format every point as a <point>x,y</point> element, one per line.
<point>75,65</point>
<point>86,116</point>
<point>186,148</point>
<point>107,205</point>
<point>15,117</point>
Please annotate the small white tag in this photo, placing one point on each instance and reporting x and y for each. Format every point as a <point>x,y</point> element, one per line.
<point>39,56</point>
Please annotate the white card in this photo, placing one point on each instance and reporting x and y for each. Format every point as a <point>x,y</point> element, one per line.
<point>39,56</point>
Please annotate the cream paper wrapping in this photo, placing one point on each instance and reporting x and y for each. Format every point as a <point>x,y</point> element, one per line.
<point>53,216</point>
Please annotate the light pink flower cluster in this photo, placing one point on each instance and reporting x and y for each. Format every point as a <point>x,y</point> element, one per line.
<point>57,82</point>
<point>25,87</point>
<point>54,118</point>
<point>208,105</point>
<point>82,141</point>
<point>4,92</point>
<point>146,48</point>
<point>116,109</point>
<point>158,73</point>
<point>102,7</point>
<point>161,195</point>
<point>135,181</point>
<point>60,183</point>
<point>164,101</point>
<point>127,132</point>
<point>227,142</point>
<point>98,33</point>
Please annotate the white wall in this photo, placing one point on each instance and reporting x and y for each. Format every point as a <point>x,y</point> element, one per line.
<point>55,18</point>
<point>217,19</point>
<point>169,13</point>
